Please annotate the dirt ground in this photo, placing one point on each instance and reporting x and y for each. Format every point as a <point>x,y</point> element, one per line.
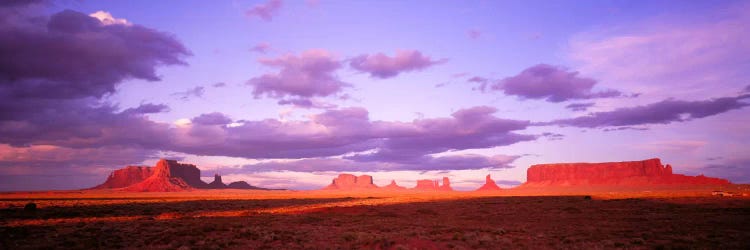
<point>220,219</point>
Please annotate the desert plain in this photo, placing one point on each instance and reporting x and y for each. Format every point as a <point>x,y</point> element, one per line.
<point>563,218</point>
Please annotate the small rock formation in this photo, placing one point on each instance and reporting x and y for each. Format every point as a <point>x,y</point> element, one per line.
<point>629,173</point>
<point>127,176</point>
<point>434,185</point>
<point>241,185</point>
<point>351,182</point>
<point>217,183</point>
<point>489,185</point>
<point>446,185</point>
<point>393,186</point>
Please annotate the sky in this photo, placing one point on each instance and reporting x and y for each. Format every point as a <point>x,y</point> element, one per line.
<point>288,94</point>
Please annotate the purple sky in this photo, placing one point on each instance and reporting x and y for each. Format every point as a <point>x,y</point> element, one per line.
<point>287,94</point>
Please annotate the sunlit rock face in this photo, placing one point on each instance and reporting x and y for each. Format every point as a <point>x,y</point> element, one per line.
<point>166,176</point>
<point>489,185</point>
<point>351,182</point>
<point>393,186</point>
<point>126,176</point>
<point>434,185</point>
<point>628,173</point>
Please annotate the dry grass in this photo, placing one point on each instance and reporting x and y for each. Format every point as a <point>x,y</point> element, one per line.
<point>633,219</point>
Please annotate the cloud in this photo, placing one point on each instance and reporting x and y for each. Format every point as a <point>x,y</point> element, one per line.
<point>261,47</point>
<point>580,106</point>
<point>551,83</point>
<point>215,118</point>
<point>147,108</point>
<point>189,93</point>
<point>663,112</point>
<point>54,70</point>
<point>307,75</point>
<point>107,19</point>
<point>474,34</point>
<point>306,103</point>
<point>451,162</point>
<point>349,130</point>
<point>265,11</point>
<point>96,56</point>
<point>382,66</point>
<point>670,54</point>
<point>219,85</point>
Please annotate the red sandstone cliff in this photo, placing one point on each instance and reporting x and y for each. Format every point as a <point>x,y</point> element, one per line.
<point>164,179</point>
<point>351,182</point>
<point>125,177</point>
<point>166,176</point>
<point>489,185</point>
<point>434,185</point>
<point>629,173</point>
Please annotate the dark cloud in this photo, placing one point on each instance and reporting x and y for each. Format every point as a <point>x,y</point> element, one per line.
<point>265,11</point>
<point>453,162</point>
<point>73,55</point>
<point>54,70</point>
<point>466,129</point>
<point>310,74</point>
<point>190,93</point>
<point>580,106</point>
<point>662,112</point>
<point>349,130</point>
<point>219,85</point>
<point>383,66</point>
<point>148,108</point>
<point>214,118</point>
<point>553,84</point>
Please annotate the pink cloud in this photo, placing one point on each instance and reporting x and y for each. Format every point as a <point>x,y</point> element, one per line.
<point>474,34</point>
<point>265,11</point>
<point>670,57</point>
<point>383,66</point>
<point>307,75</point>
<point>261,47</point>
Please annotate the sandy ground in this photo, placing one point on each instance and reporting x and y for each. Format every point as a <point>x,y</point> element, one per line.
<point>587,218</point>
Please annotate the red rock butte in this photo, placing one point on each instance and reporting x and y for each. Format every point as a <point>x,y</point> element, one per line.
<point>434,185</point>
<point>627,173</point>
<point>166,176</point>
<point>489,185</point>
<point>350,182</point>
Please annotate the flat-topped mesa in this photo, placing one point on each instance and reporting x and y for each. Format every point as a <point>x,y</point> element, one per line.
<point>434,185</point>
<point>628,173</point>
<point>489,185</point>
<point>351,182</point>
<point>394,186</point>
<point>168,176</point>
<point>126,176</point>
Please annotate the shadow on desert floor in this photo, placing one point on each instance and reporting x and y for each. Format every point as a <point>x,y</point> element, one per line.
<point>380,223</point>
